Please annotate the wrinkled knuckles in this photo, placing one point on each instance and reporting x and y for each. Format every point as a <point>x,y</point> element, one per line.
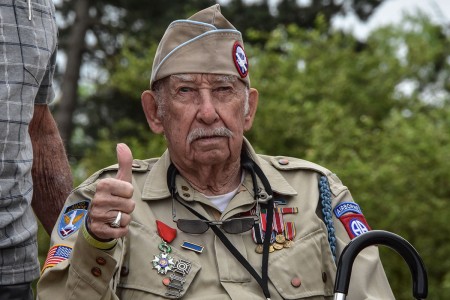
<point>95,215</point>
<point>105,184</point>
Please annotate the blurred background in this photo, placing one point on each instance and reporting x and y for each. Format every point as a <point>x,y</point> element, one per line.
<point>359,86</point>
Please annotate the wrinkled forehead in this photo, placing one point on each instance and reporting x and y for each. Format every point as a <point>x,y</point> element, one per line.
<point>199,78</point>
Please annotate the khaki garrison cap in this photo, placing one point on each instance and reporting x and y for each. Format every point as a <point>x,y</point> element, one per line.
<point>204,43</point>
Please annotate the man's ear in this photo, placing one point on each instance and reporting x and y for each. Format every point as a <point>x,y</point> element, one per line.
<point>253,97</point>
<point>151,111</point>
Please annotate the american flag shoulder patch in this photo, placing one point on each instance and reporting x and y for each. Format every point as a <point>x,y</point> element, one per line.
<point>57,254</point>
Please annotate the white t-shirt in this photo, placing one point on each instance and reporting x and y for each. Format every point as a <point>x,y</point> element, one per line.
<point>221,201</point>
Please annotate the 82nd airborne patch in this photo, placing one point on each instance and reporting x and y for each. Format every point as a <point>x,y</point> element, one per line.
<point>350,215</point>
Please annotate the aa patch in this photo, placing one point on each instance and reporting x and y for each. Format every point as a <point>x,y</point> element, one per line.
<point>355,224</point>
<point>57,254</point>
<point>240,60</point>
<point>72,218</point>
<point>346,207</point>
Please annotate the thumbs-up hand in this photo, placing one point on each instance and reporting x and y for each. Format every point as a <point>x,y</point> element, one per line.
<point>113,195</point>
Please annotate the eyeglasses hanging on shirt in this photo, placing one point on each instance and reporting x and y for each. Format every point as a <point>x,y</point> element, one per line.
<point>199,226</point>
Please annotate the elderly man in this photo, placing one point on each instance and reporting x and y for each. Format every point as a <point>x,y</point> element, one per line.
<point>210,219</point>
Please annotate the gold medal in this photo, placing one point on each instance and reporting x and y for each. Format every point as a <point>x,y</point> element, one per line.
<point>288,244</point>
<point>278,246</point>
<point>271,249</point>
<point>280,239</point>
<point>259,249</point>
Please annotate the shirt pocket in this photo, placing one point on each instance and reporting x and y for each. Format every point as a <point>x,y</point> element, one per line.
<point>306,270</point>
<point>141,279</point>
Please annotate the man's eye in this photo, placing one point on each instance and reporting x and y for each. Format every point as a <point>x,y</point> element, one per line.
<point>224,89</point>
<point>185,89</point>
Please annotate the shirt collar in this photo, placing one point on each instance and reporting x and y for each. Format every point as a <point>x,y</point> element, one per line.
<point>155,186</point>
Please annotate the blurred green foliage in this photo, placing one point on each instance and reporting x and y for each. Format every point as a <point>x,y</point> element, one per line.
<point>377,113</point>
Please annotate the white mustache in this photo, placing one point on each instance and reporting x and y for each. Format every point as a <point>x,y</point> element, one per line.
<point>201,133</point>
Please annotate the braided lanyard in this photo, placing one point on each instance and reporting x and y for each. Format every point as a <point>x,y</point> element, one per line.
<point>325,200</point>
<point>254,170</point>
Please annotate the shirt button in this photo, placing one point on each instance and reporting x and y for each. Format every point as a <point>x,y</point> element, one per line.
<point>101,261</point>
<point>184,188</point>
<point>324,277</point>
<point>187,195</point>
<point>124,271</point>
<point>96,272</point>
<point>296,282</point>
<point>283,161</point>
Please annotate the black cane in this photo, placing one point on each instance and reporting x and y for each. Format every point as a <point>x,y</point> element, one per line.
<point>380,237</point>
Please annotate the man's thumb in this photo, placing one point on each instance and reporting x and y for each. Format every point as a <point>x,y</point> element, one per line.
<point>125,160</point>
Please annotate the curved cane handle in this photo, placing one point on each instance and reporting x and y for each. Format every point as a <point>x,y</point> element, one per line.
<point>380,237</point>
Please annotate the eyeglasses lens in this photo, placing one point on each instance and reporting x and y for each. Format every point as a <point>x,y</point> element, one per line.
<point>234,226</point>
<point>192,226</point>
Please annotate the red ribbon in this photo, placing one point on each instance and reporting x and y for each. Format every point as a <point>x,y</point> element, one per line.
<point>289,230</point>
<point>278,224</point>
<point>166,232</point>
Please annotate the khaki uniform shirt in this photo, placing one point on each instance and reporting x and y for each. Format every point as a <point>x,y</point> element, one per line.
<point>304,271</point>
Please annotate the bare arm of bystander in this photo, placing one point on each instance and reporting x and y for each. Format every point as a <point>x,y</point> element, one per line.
<point>52,177</point>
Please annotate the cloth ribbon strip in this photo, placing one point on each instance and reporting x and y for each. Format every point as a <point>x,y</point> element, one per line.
<point>259,229</point>
<point>289,230</point>
<point>278,223</point>
<point>287,210</point>
<point>166,232</point>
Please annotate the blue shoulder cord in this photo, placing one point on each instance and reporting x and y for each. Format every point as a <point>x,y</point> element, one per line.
<point>325,200</point>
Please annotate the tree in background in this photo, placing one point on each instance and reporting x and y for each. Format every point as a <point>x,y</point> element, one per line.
<point>95,31</point>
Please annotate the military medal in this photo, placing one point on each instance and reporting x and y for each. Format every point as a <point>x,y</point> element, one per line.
<point>279,228</point>
<point>258,232</point>
<point>163,262</point>
<point>259,248</point>
<point>289,232</point>
<point>278,246</point>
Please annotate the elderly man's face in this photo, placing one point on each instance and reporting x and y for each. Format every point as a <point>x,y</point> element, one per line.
<point>203,117</point>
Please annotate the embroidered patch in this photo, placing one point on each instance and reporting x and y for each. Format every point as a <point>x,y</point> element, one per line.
<point>346,207</point>
<point>240,60</point>
<point>355,224</point>
<point>57,254</point>
<point>72,218</point>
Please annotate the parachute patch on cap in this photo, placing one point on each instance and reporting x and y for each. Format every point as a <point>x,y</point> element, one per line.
<point>240,60</point>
